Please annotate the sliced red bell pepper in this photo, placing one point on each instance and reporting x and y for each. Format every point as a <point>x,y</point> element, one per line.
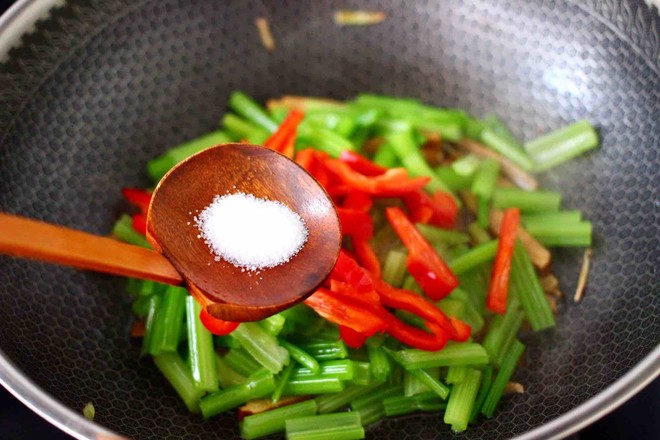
<point>351,338</point>
<point>284,138</point>
<point>462,331</point>
<point>498,289</point>
<point>356,223</point>
<point>415,337</point>
<point>361,164</point>
<point>137,197</point>
<point>440,210</point>
<point>394,182</point>
<point>410,301</point>
<point>140,223</point>
<point>445,210</point>
<point>345,290</point>
<point>217,326</point>
<point>341,311</point>
<point>424,263</point>
<point>346,269</point>
<point>305,158</point>
<point>358,201</point>
<point>366,256</point>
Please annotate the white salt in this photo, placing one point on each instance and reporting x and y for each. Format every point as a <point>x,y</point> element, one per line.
<point>251,233</point>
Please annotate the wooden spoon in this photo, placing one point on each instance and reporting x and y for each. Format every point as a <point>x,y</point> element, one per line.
<point>227,292</point>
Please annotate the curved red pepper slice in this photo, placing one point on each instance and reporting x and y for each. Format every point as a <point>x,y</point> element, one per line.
<point>342,311</point>
<point>461,332</point>
<point>410,301</point>
<point>283,139</point>
<point>394,182</point>
<point>498,290</point>
<point>415,337</point>
<point>351,338</point>
<point>140,223</point>
<point>424,263</point>
<point>217,326</point>
<point>361,164</point>
<point>137,197</point>
<point>438,210</point>
<point>357,224</point>
<point>366,256</point>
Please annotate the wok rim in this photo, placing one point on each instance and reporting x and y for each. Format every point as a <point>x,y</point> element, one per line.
<point>17,21</point>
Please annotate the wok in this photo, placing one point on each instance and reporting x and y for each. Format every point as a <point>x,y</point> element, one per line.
<point>99,87</point>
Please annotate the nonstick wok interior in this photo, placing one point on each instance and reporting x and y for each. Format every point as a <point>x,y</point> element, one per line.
<point>101,87</point>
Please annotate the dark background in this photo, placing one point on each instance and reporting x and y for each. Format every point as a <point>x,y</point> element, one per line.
<point>637,419</point>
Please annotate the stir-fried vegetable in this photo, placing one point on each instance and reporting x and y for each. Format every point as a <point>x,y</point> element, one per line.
<point>438,245</point>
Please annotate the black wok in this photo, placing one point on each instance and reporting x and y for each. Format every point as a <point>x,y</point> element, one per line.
<point>99,87</point>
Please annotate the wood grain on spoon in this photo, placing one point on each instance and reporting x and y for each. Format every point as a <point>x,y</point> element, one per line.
<point>36,240</point>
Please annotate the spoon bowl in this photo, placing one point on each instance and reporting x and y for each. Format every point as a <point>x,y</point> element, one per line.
<point>230,292</point>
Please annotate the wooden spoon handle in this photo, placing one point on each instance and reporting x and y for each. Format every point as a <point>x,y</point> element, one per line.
<point>36,240</point>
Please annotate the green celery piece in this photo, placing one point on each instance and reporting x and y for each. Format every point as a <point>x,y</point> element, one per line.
<point>227,376</point>
<point>437,236</point>
<point>561,145</point>
<point>466,353</point>
<point>262,346</point>
<point>461,401</point>
<point>201,354</point>
<point>123,231</point>
<point>259,385</point>
<point>177,374</point>
<point>566,234</point>
<point>159,166</point>
<point>506,371</point>
<point>243,129</point>
<point>168,321</point>
<point>274,420</point>
<point>250,110</point>
<point>525,285</point>
<point>476,257</point>
<point>506,148</point>
<point>328,403</point>
<point>340,426</point>
<point>394,268</point>
<point>408,152</point>
<point>301,356</point>
<point>273,324</point>
<point>527,201</point>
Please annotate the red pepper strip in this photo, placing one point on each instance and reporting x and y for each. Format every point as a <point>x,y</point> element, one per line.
<point>446,210</point>
<point>355,223</point>
<point>306,158</point>
<point>289,149</point>
<point>415,337</point>
<point>286,131</point>
<point>137,197</point>
<point>498,289</point>
<point>394,182</point>
<point>440,210</point>
<point>410,301</point>
<point>366,256</point>
<point>352,338</point>
<point>361,164</point>
<point>418,205</point>
<point>424,263</point>
<point>358,201</point>
<point>215,325</point>
<point>427,279</point>
<point>462,331</point>
<point>346,269</point>
<point>349,292</point>
<point>341,311</point>
<point>140,223</point>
